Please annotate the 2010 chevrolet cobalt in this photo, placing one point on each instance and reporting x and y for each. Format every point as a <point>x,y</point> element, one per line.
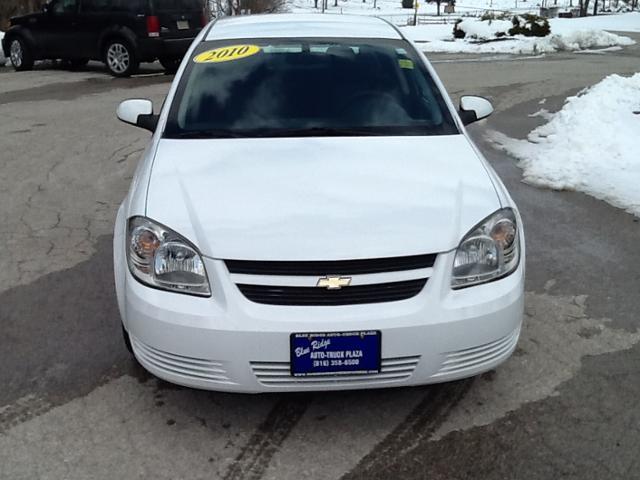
<point>311,214</point>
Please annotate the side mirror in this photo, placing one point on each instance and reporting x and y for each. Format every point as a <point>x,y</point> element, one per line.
<point>139,113</point>
<point>473,109</point>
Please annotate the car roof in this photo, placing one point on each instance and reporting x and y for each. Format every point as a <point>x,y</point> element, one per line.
<point>302,26</point>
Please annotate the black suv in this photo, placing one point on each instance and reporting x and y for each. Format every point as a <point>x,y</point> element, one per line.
<point>121,33</point>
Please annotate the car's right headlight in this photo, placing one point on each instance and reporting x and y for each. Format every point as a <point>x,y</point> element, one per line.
<point>491,250</point>
<point>161,258</point>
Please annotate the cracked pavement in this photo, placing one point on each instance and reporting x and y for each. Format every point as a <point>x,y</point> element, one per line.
<point>74,405</point>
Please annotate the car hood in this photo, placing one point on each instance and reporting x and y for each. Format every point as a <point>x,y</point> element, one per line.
<point>320,198</point>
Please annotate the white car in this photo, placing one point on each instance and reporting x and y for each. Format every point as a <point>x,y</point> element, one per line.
<point>311,214</point>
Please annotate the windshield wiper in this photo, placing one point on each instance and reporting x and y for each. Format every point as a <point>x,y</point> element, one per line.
<point>290,132</point>
<point>209,133</point>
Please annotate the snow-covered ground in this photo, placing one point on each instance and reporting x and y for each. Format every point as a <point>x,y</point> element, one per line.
<point>566,34</point>
<point>393,11</point>
<point>591,145</point>
<point>627,22</point>
<point>570,41</point>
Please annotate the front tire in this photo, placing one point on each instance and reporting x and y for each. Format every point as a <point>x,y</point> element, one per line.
<point>127,340</point>
<point>20,55</point>
<point>170,65</point>
<point>120,58</point>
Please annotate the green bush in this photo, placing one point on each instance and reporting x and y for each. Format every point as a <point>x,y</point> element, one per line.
<point>527,25</point>
<point>530,26</point>
<point>458,32</point>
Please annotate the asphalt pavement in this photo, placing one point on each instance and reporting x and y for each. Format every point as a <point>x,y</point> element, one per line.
<point>73,405</point>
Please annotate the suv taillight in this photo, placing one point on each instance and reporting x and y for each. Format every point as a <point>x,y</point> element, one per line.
<point>205,19</point>
<point>153,26</point>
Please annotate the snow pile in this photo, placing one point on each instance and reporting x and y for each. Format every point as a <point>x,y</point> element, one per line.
<point>3,60</point>
<point>591,145</point>
<point>584,39</point>
<point>575,34</point>
<point>519,44</point>
<point>485,29</point>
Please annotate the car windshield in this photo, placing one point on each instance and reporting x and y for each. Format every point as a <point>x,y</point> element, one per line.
<point>271,88</point>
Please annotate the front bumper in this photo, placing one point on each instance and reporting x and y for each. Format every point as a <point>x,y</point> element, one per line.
<point>229,343</point>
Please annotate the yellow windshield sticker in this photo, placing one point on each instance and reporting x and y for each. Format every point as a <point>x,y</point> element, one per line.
<point>406,63</point>
<point>227,54</point>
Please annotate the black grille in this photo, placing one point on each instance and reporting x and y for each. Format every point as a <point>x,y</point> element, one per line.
<point>373,293</point>
<point>339,267</point>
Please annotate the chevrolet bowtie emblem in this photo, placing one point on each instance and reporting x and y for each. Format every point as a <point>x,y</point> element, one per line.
<point>334,283</point>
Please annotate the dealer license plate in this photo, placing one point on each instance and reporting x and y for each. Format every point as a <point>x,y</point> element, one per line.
<point>335,353</point>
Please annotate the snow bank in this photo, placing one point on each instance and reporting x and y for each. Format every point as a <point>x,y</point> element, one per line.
<point>591,145</point>
<point>519,44</point>
<point>3,60</point>
<point>566,35</point>
<point>628,22</point>
<point>484,30</point>
<point>584,39</point>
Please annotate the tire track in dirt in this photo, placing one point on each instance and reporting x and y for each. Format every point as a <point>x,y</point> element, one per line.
<point>253,460</point>
<point>421,422</point>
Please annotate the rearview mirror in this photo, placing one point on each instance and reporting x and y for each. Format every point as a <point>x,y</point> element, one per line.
<point>474,108</point>
<point>138,112</point>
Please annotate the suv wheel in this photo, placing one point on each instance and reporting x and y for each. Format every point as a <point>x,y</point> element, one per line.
<point>170,65</point>
<point>120,58</point>
<point>20,55</point>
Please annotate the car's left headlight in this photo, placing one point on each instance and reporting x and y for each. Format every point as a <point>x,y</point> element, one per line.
<point>491,250</point>
<point>161,258</point>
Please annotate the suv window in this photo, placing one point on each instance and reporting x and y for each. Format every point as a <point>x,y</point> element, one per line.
<point>134,6</point>
<point>188,5</point>
<point>305,87</point>
<point>65,6</point>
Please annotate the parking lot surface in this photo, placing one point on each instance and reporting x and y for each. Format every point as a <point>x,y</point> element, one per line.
<point>73,404</point>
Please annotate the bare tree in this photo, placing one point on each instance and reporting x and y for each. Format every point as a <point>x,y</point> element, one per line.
<point>9,8</point>
<point>221,8</point>
<point>584,7</point>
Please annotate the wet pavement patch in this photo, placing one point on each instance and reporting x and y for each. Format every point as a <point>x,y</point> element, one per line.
<point>77,89</point>
<point>590,430</point>
<point>61,333</point>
